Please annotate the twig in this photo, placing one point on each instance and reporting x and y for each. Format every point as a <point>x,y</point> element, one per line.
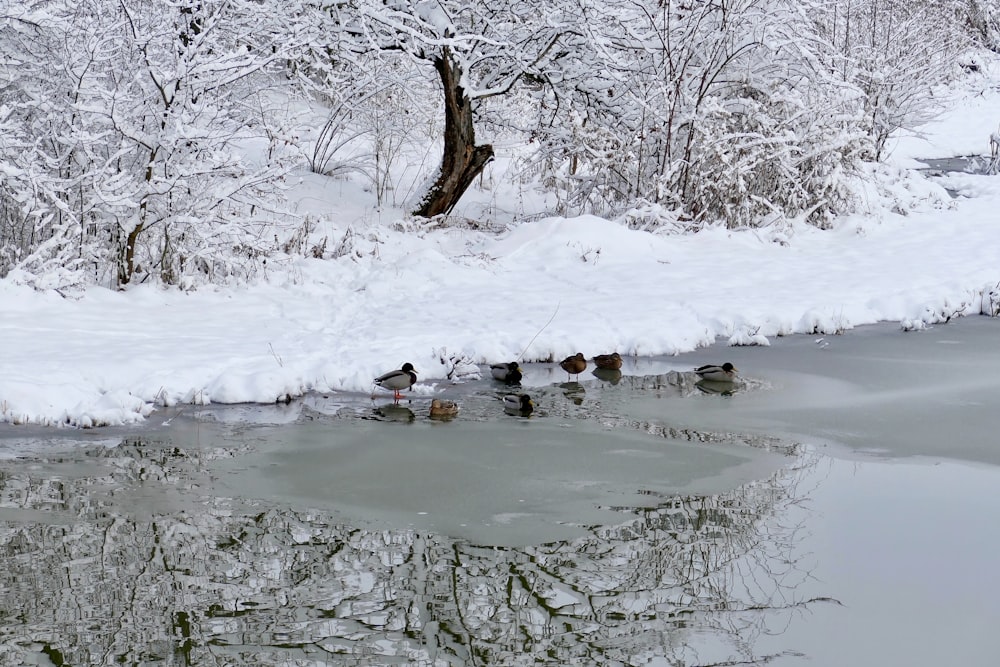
<point>539,332</point>
<point>275,355</point>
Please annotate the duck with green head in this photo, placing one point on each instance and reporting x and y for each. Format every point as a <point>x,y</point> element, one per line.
<point>404,378</point>
<point>724,373</point>
<point>509,373</point>
<point>518,404</point>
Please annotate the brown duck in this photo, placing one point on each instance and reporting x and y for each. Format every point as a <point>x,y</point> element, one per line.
<point>610,362</point>
<point>574,365</point>
<point>443,410</point>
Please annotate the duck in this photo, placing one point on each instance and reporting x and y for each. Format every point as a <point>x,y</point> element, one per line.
<point>611,362</point>
<point>404,378</point>
<point>509,373</point>
<point>518,404</point>
<point>441,409</point>
<point>574,365</point>
<point>724,373</point>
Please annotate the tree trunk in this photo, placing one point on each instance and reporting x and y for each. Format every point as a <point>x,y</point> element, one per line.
<point>462,160</point>
<point>126,259</point>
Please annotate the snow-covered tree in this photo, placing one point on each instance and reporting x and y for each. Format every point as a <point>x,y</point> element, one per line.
<point>152,114</point>
<point>742,111</point>
<point>36,224</point>
<point>181,110</point>
<point>895,52</point>
<point>983,19</point>
<point>137,139</point>
<point>715,110</point>
<point>478,50</point>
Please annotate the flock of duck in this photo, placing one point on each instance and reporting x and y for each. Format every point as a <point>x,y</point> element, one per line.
<point>510,374</point>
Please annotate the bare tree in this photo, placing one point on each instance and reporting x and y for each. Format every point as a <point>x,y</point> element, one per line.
<point>478,50</point>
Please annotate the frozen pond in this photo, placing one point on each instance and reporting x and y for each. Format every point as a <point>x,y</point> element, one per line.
<point>877,391</point>
<point>491,483</point>
<point>837,508</point>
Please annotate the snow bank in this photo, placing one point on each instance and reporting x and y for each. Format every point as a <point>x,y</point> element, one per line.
<point>407,294</point>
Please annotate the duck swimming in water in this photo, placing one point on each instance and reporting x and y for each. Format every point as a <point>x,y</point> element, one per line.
<point>724,373</point>
<point>441,409</point>
<point>518,404</point>
<point>509,373</point>
<point>574,365</point>
<point>404,378</point>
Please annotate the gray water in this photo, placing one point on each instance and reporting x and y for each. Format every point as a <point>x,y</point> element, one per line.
<point>836,507</point>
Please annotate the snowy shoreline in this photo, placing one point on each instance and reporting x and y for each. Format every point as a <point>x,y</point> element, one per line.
<point>108,358</point>
<point>405,293</point>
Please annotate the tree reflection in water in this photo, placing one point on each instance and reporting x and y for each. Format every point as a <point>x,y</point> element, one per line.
<point>90,578</point>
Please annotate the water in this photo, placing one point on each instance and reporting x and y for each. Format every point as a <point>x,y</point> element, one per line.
<point>874,390</point>
<point>838,508</point>
<point>491,483</point>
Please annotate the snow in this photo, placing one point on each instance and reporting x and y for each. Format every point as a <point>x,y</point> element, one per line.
<point>549,288</point>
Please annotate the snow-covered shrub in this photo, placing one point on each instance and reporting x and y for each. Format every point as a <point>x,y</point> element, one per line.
<point>895,52</point>
<point>747,337</point>
<point>763,155</point>
<point>940,313</point>
<point>989,300</point>
<point>647,216</point>
<point>983,20</point>
<point>141,116</point>
<point>717,112</point>
<point>743,112</point>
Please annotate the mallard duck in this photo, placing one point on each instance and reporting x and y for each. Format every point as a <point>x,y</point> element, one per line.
<point>724,373</point>
<point>574,365</point>
<point>611,362</point>
<point>404,378</point>
<point>441,409</point>
<point>518,404</point>
<point>509,373</point>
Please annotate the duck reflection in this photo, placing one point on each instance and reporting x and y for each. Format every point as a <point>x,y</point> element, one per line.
<point>394,412</point>
<point>713,387</point>
<point>574,391</point>
<point>610,375</point>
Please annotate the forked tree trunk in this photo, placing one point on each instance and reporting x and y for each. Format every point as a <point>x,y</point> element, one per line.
<point>463,160</point>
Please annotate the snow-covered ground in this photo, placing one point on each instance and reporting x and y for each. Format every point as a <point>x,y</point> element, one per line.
<point>554,286</point>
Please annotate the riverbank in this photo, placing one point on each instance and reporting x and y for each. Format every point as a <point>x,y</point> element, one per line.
<point>540,290</point>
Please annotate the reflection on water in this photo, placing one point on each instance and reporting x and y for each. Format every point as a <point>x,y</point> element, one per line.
<point>574,391</point>
<point>135,563</point>
<point>721,388</point>
<point>394,413</point>
<point>676,384</point>
<point>609,375</point>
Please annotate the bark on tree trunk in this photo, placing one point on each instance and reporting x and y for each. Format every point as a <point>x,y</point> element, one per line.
<point>462,160</point>
<point>126,261</point>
